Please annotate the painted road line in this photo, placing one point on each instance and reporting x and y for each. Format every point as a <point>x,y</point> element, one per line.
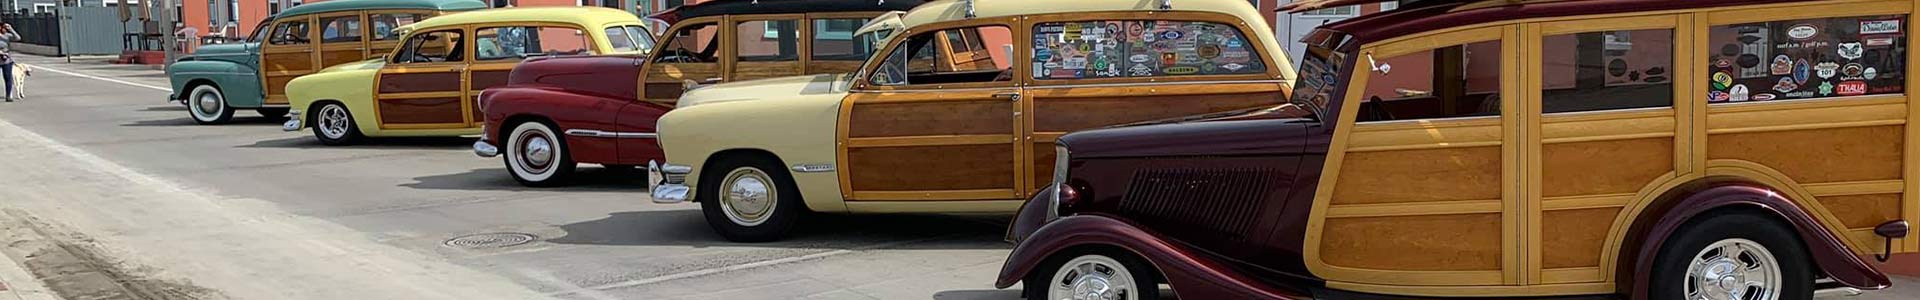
<point>752,265</point>
<point>42,67</point>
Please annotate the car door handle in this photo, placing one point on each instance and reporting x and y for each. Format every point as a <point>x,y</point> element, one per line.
<point>1010,96</point>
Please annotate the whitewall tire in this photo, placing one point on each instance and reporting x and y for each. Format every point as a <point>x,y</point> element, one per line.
<point>537,155</point>
<point>208,105</point>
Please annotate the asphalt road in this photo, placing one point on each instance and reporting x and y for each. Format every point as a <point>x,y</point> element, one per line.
<point>404,199</point>
<point>599,239</point>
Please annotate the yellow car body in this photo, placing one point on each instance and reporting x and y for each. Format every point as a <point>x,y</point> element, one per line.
<point>424,94</point>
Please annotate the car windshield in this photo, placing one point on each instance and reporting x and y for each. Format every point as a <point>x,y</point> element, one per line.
<point>1319,77</point>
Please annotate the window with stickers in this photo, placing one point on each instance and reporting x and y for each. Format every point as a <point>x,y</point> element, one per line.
<point>1134,48</point>
<point>1806,58</point>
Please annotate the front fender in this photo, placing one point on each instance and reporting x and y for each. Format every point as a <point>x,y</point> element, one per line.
<point>571,109</point>
<point>238,82</point>
<point>353,88</point>
<point>798,129</point>
<point>1829,253</point>
<point>1190,273</point>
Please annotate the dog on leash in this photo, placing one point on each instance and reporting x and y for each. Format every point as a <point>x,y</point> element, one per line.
<point>20,74</point>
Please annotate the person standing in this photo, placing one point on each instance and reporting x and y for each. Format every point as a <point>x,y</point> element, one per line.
<point>7,36</point>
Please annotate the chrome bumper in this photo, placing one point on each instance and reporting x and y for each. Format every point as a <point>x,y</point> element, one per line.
<point>293,121</point>
<point>484,149</point>
<point>668,183</point>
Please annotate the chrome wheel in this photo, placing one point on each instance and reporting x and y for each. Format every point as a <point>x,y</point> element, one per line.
<point>536,151</point>
<point>207,105</point>
<point>536,155</point>
<point>1733,269</point>
<point>1093,277</point>
<point>333,121</point>
<point>749,196</point>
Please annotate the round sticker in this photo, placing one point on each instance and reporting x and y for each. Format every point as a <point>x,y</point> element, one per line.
<point>1785,85</point>
<point>1852,70</point>
<point>1802,32</point>
<point>1826,69</point>
<point>1208,51</point>
<point>1716,96</point>
<point>1782,65</point>
<point>1721,80</point>
<point>1737,93</point>
<point>1869,73</point>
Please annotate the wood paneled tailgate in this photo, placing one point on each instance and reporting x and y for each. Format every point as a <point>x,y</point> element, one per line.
<point>1849,154</point>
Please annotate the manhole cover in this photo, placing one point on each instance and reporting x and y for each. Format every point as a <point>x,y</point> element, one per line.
<point>490,240</point>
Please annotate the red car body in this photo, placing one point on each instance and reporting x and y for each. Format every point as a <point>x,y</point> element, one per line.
<point>592,99</point>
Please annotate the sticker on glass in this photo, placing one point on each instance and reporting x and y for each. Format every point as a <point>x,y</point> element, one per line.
<point>1782,65</point>
<point>1737,93</point>
<point>1763,97</point>
<point>1851,88</point>
<point>1880,26</point>
<point>1850,50</point>
<point>1802,32</point>
<point>1721,80</point>
<point>1785,85</point>
<point>1801,70</point>
<point>1826,69</point>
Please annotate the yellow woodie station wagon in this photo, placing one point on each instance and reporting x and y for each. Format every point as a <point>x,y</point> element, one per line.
<point>427,85</point>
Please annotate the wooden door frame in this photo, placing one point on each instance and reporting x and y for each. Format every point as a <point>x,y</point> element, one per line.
<point>927,93</point>
<point>367,23</point>
<point>312,48</point>
<point>466,36</point>
<point>809,34</point>
<point>319,57</point>
<point>731,46</point>
<point>663,41</point>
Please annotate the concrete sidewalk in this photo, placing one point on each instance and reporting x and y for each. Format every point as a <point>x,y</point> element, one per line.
<point>18,284</point>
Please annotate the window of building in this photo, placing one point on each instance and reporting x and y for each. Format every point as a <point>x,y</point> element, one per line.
<point>1807,58</point>
<point>433,47</point>
<point>292,32</point>
<point>517,42</point>
<point>1343,11</point>
<point>933,58</point>
<point>383,24</point>
<point>340,29</point>
<point>833,40</point>
<point>779,41</point>
<point>697,43</point>
<point>1607,70</point>
<point>1112,49</point>
<point>1448,82</point>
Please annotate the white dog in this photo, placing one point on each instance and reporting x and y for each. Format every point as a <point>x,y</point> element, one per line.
<point>20,73</point>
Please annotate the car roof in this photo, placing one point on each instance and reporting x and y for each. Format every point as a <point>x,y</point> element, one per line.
<point>346,5</point>
<point>589,17</point>
<point>744,7</point>
<point>956,10</point>
<point>1436,14</point>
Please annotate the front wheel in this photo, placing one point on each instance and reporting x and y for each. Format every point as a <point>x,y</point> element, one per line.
<point>1733,257</point>
<point>1093,276</point>
<point>537,156</point>
<point>334,125</point>
<point>750,199</point>
<point>208,105</point>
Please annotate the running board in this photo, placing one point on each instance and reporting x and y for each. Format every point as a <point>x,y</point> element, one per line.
<point>1828,287</point>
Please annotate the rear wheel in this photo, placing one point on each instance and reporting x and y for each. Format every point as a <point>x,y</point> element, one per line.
<point>537,156</point>
<point>1093,276</point>
<point>750,199</point>
<point>334,125</point>
<point>1733,257</point>
<point>208,105</point>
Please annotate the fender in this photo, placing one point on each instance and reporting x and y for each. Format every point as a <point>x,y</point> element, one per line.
<point>567,109</point>
<point>1196,276</point>
<point>238,82</point>
<point>1829,253</point>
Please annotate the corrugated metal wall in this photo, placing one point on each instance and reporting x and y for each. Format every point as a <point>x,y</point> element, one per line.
<point>93,30</point>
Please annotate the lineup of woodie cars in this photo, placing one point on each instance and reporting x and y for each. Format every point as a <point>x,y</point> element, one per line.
<point>1643,149</point>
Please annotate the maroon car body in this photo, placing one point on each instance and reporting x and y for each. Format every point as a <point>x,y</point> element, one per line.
<point>591,98</point>
<point>1220,206</point>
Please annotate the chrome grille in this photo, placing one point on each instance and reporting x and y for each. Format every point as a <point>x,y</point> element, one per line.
<point>1223,200</point>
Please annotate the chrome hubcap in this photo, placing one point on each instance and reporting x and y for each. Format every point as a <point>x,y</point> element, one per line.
<point>1733,269</point>
<point>1092,277</point>
<point>209,103</point>
<point>749,198</point>
<point>539,151</point>
<point>333,121</point>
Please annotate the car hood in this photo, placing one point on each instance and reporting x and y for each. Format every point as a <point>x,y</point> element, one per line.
<point>222,49</point>
<point>765,89</point>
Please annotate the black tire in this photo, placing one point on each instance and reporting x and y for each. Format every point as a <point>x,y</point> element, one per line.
<point>1041,280</point>
<point>273,113</point>
<point>199,97</point>
<point>773,221</point>
<point>1671,280</point>
<point>348,132</point>
<point>553,166</point>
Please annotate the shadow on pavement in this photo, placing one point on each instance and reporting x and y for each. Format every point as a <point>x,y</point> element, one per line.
<point>185,121</point>
<point>1006,294</point>
<point>305,140</point>
<point>168,107</point>
<point>819,231</point>
<point>585,178</point>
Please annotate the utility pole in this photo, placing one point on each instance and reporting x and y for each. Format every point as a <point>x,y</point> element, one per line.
<point>165,20</point>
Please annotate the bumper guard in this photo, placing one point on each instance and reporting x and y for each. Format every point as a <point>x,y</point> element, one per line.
<point>668,183</point>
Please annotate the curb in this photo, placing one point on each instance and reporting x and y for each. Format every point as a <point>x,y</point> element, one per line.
<point>39,268</point>
<point>16,283</point>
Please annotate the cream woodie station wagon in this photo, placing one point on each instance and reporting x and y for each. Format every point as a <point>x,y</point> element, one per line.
<point>959,111</point>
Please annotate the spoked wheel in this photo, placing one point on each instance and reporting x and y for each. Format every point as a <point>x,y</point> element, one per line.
<point>208,105</point>
<point>1093,277</point>
<point>536,156</point>
<point>1733,257</point>
<point>750,199</point>
<point>334,125</point>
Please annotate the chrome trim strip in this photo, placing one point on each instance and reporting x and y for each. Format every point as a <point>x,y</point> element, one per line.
<point>813,168</point>
<point>616,135</point>
<point>215,73</point>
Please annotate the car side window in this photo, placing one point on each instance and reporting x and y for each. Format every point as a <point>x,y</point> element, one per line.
<point>1806,59</point>
<point>340,29</point>
<point>617,36</point>
<point>641,38</point>
<point>1606,70</point>
<point>290,32</point>
<point>432,47</point>
<point>768,40</point>
<point>383,24</point>
<point>833,40</point>
<point>1447,82</point>
<point>697,43</point>
<point>1141,48</point>
<point>516,42</point>
<point>948,56</point>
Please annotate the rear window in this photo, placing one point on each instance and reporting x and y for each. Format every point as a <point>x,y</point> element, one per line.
<point>1807,58</point>
<point>1135,48</point>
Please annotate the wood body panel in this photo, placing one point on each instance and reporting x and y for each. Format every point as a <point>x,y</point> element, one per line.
<point>1603,167</point>
<point>1444,242</point>
<point>1863,211</point>
<point>1073,109</point>
<point>931,168</point>
<point>1818,155</point>
<point>1576,237</point>
<point>421,111</point>
<point>415,82</point>
<point>750,70</point>
<point>1419,176</point>
<point>931,119</point>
